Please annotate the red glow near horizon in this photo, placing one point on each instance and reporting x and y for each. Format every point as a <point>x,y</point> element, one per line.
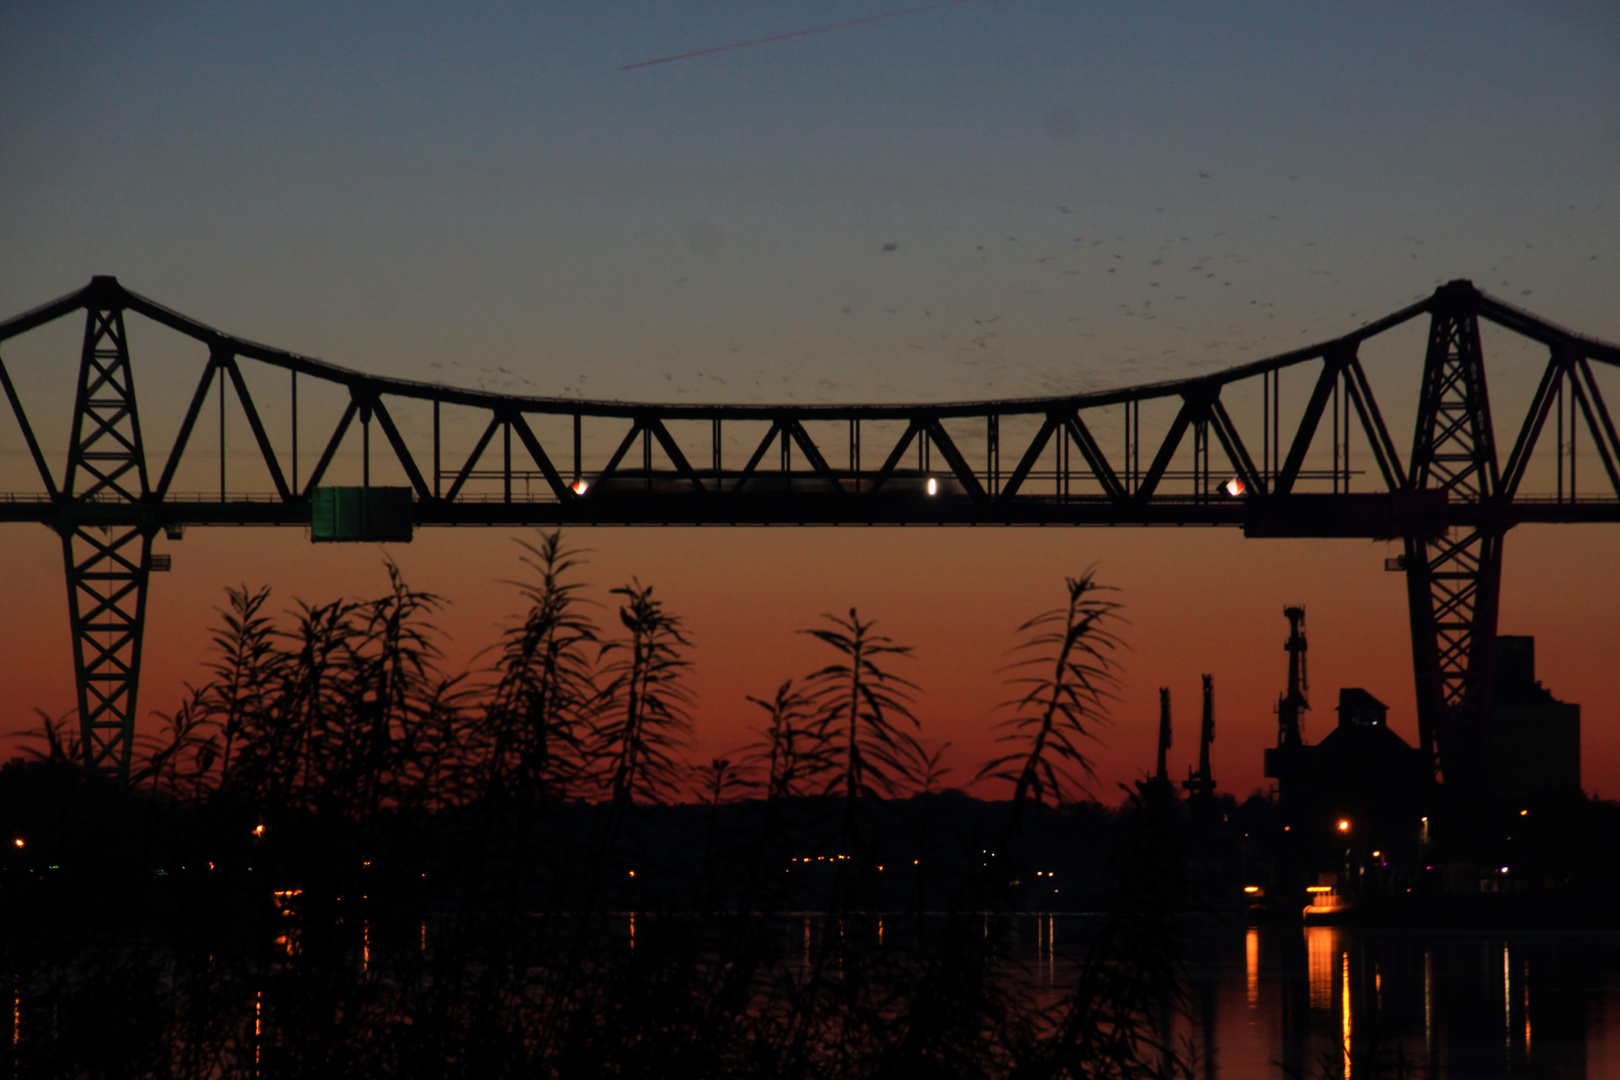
<point>1196,601</point>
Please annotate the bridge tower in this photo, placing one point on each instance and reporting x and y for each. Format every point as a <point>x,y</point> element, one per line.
<point>1453,582</point>
<point>107,563</point>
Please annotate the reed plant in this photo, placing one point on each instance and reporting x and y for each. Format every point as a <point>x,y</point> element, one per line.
<point>337,858</point>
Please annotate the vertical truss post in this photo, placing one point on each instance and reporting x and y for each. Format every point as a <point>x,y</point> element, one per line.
<point>1337,435</point>
<point>1560,408</point>
<point>1136,447</point>
<point>1125,457</point>
<point>1265,427</point>
<point>222,437</point>
<point>992,453</point>
<point>1453,583</point>
<point>106,563</point>
<point>1062,444</point>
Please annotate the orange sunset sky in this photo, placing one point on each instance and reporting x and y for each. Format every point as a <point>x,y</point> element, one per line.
<point>994,199</point>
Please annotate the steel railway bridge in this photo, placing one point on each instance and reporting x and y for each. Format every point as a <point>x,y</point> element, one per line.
<point>1072,460</point>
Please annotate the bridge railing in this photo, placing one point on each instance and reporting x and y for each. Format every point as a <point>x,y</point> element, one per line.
<point>1318,461</point>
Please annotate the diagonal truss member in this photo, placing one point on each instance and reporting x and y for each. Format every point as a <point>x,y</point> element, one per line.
<point>105,510</point>
<point>107,566</point>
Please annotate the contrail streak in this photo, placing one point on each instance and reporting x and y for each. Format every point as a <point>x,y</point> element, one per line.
<point>795,33</point>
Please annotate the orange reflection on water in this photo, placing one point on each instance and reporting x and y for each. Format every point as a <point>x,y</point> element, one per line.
<point>1507,998</point>
<point>1320,942</point>
<point>1251,949</point>
<point>1051,952</point>
<point>1345,1021</point>
<point>1526,982</point>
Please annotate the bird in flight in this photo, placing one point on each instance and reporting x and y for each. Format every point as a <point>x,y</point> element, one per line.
<point>795,34</point>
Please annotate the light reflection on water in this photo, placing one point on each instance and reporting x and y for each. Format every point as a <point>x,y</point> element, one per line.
<point>1251,965</point>
<point>1280,1001</point>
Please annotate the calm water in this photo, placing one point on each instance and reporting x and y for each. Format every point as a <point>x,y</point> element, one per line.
<point>1285,1001</point>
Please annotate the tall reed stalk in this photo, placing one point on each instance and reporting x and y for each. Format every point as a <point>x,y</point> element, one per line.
<point>863,713</point>
<point>644,702</point>
<point>1066,675</point>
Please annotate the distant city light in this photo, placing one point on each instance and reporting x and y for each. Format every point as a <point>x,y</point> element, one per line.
<point>1251,889</point>
<point>18,841</point>
<point>933,486</point>
<point>1344,824</point>
<point>1235,486</point>
<point>1524,813</point>
<point>258,830</point>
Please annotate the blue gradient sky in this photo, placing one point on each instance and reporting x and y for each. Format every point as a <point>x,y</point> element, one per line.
<point>1079,195</point>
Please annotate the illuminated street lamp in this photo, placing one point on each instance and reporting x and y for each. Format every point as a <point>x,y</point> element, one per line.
<point>933,486</point>
<point>1344,825</point>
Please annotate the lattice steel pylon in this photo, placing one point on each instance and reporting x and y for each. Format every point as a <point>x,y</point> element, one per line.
<point>1454,582</point>
<point>1453,503</point>
<point>107,565</point>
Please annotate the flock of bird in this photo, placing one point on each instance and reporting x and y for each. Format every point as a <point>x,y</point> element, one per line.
<point>1045,290</point>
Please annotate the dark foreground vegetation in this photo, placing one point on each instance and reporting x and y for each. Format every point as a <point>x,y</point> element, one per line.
<point>338,860</point>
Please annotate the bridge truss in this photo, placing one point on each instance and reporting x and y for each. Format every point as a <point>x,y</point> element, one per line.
<point>559,461</point>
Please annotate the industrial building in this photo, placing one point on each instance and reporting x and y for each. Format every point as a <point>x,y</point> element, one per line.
<point>1362,785</point>
<point>1534,742</point>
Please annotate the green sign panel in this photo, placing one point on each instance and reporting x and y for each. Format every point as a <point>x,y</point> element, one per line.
<point>339,514</point>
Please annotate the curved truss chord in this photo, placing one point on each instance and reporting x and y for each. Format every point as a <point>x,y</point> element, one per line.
<point>1449,499</point>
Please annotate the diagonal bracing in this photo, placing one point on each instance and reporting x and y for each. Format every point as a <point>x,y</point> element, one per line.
<point>106,567</point>
<point>645,464</point>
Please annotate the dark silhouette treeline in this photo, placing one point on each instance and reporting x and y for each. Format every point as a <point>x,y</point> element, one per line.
<point>338,859</point>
